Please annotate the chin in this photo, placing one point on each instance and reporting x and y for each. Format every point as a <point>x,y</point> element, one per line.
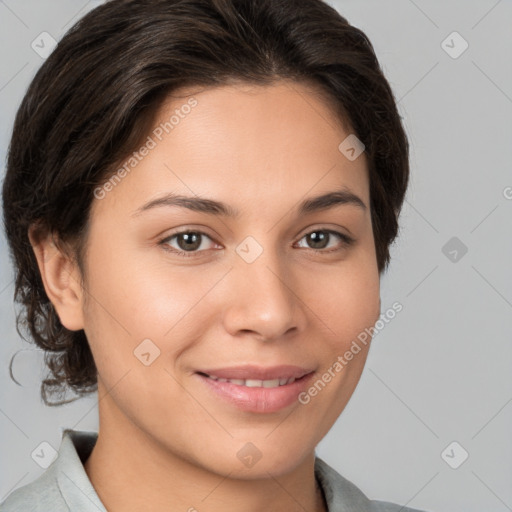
<point>253,463</point>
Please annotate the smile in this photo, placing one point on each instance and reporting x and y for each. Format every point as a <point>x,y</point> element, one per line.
<point>255,383</point>
<point>256,390</point>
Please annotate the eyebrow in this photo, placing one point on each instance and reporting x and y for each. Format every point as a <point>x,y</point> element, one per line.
<point>212,207</point>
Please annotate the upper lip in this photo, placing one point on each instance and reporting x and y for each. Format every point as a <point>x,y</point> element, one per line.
<point>258,372</point>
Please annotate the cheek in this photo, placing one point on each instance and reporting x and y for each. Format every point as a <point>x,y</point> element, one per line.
<point>132,300</point>
<point>346,301</point>
<point>346,304</point>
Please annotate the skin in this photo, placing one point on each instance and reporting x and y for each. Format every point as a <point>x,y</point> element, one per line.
<point>164,439</point>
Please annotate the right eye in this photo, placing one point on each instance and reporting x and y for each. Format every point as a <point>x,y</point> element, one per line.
<point>188,241</point>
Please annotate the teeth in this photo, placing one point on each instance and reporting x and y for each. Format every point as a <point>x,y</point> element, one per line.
<point>254,383</point>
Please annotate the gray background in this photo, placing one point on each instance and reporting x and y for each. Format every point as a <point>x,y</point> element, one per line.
<point>441,370</point>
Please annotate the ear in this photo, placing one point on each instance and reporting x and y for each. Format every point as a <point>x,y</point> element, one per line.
<point>61,280</point>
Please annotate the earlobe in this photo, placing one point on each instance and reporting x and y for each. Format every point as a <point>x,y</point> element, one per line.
<point>61,280</point>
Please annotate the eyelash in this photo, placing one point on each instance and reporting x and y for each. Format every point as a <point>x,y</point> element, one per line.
<point>346,241</point>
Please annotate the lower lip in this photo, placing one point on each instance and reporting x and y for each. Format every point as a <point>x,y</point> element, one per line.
<point>259,399</point>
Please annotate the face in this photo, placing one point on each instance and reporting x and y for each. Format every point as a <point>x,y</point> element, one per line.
<point>264,289</point>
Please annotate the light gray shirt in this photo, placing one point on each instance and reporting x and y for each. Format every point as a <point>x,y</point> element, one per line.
<point>65,486</point>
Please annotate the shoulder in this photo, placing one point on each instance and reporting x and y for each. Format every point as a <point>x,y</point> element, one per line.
<point>386,506</point>
<point>342,495</point>
<point>64,485</point>
<point>41,495</point>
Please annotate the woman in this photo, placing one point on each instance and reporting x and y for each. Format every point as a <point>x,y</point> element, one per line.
<point>200,199</point>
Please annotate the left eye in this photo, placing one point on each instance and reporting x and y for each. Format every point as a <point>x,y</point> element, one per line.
<point>189,242</point>
<point>319,237</point>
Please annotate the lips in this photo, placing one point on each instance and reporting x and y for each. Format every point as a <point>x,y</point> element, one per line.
<point>257,389</point>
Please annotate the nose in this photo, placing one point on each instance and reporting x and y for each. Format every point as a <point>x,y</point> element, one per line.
<point>263,300</point>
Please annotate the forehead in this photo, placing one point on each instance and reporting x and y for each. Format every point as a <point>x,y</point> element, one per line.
<point>242,141</point>
<point>283,97</point>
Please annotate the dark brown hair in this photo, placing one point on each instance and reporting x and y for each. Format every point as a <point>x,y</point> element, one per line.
<point>95,97</point>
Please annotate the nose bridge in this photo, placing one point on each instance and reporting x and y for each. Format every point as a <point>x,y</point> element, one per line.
<point>262,299</point>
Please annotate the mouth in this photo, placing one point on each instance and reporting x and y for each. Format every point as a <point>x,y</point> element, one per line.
<point>257,390</point>
<point>254,383</point>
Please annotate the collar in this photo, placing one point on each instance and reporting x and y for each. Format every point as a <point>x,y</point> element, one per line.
<point>74,484</point>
